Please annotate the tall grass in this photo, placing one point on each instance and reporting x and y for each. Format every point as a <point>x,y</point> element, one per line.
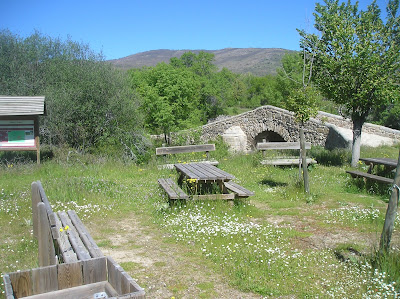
<point>273,244</point>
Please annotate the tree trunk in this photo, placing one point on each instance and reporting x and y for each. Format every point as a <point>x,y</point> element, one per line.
<point>391,212</point>
<point>356,147</point>
<point>303,155</point>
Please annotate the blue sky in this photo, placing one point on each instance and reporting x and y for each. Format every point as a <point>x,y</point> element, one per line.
<point>119,28</point>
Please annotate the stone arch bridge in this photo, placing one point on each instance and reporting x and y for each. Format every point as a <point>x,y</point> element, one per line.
<point>243,131</point>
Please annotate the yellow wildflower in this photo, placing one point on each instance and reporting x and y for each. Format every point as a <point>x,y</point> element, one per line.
<point>66,227</point>
<point>61,230</point>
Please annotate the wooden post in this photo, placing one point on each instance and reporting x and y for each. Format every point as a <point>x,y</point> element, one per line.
<point>35,200</point>
<point>47,255</point>
<point>37,139</point>
<point>304,159</point>
<point>391,212</point>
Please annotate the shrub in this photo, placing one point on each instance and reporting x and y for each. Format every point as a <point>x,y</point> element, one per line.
<point>335,157</point>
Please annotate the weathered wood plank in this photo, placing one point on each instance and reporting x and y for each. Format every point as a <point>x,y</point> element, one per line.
<point>35,200</point>
<point>377,178</point>
<point>94,270</point>
<point>47,255</point>
<point>77,244</point>
<point>239,190</point>
<point>185,149</point>
<point>172,189</point>
<point>8,287</point>
<point>70,275</point>
<point>22,283</point>
<point>64,246</point>
<point>114,276</point>
<point>81,292</point>
<point>286,161</point>
<point>44,279</point>
<point>86,238</point>
<point>213,197</point>
<point>280,145</point>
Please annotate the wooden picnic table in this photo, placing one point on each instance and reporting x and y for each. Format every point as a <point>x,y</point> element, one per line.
<point>205,175</point>
<point>387,162</point>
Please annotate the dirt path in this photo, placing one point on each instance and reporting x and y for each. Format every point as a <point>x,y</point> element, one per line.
<point>162,268</point>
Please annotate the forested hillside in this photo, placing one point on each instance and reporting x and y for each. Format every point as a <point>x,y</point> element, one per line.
<point>256,61</point>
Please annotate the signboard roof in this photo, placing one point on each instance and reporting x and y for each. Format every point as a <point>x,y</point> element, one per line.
<point>21,106</point>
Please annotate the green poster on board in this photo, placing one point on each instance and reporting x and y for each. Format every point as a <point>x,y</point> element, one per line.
<point>16,136</point>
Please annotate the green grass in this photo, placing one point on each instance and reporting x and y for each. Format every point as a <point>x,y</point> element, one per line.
<point>261,245</point>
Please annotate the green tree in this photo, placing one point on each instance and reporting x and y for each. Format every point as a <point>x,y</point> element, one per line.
<point>357,58</point>
<point>169,96</point>
<point>88,102</point>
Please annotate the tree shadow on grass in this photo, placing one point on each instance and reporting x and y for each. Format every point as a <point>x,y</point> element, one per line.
<point>272,183</point>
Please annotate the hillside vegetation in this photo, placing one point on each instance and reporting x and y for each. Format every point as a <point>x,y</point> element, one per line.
<point>256,61</point>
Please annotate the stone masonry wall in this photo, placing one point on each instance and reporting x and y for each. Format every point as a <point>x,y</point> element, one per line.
<point>267,118</point>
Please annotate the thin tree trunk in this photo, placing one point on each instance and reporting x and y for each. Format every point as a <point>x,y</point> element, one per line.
<point>356,147</point>
<point>303,155</point>
<point>391,212</point>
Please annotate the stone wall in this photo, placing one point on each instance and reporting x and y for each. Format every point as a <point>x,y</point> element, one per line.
<point>267,118</point>
<point>367,128</point>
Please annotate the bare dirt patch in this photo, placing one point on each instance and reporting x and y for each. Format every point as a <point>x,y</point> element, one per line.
<point>159,265</point>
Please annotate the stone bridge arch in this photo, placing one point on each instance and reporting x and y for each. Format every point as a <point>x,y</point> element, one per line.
<point>266,122</point>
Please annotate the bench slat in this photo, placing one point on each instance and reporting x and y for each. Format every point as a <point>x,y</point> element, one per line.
<point>239,190</point>
<point>285,161</point>
<point>185,149</point>
<point>172,189</point>
<point>281,145</point>
<point>66,250</point>
<point>75,240</point>
<point>86,238</point>
<point>355,173</point>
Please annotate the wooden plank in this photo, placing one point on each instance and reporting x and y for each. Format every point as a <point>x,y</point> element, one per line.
<point>44,198</point>
<point>239,190</point>
<point>8,287</point>
<point>44,279</point>
<point>204,173</point>
<point>94,270</point>
<point>221,174</point>
<point>22,283</point>
<point>64,246</point>
<point>86,238</point>
<point>214,197</point>
<point>47,255</point>
<point>185,149</point>
<point>190,172</point>
<point>114,275</point>
<point>70,275</point>
<point>81,292</point>
<point>286,161</point>
<point>377,178</point>
<point>73,236</point>
<point>172,189</point>
<point>35,200</point>
<point>281,145</point>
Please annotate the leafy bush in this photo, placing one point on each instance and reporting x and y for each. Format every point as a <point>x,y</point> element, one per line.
<point>335,157</point>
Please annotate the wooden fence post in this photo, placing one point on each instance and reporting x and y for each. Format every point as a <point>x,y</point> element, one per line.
<point>35,200</point>
<point>47,255</point>
<point>391,212</point>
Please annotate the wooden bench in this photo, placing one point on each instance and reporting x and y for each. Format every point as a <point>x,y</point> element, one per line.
<point>172,150</point>
<point>71,264</point>
<point>239,191</point>
<point>172,189</point>
<point>282,161</point>
<point>355,173</point>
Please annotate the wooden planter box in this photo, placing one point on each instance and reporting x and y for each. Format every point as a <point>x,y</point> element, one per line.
<point>93,278</point>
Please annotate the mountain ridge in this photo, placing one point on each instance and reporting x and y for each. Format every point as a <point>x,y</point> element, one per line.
<point>257,61</point>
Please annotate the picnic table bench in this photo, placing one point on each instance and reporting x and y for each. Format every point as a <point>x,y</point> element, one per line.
<point>388,163</point>
<point>71,265</point>
<point>283,161</point>
<point>204,174</point>
<point>172,150</point>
